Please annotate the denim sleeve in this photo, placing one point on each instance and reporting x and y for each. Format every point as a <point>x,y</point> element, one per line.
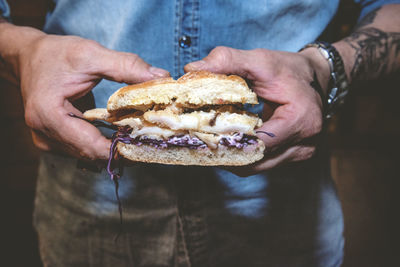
<point>4,9</point>
<point>369,5</point>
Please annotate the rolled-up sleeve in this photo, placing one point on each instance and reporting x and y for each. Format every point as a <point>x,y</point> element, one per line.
<point>4,9</point>
<point>369,5</point>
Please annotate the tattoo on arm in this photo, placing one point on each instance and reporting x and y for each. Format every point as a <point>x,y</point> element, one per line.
<point>376,53</point>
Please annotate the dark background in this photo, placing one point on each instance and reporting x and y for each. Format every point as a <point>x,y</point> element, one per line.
<point>364,138</point>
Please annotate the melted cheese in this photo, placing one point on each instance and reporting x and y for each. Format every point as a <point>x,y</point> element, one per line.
<point>155,132</point>
<point>208,122</point>
<point>134,123</point>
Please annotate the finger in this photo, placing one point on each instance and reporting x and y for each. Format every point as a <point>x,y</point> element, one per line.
<point>291,154</point>
<point>79,138</point>
<point>44,143</point>
<point>223,60</point>
<point>280,129</point>
<point>125,67</point>
<point>272,160</point>
<point>41,141</point>
<point>47,144</point>
<point>84,137</point>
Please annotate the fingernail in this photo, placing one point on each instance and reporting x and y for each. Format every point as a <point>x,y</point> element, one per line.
<point>158,72</point>
<point>197,65</point>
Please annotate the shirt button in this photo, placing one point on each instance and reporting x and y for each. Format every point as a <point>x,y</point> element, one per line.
<point>185,41</point>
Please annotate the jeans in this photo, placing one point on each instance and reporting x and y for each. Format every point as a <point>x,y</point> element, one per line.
<point>187,216</point>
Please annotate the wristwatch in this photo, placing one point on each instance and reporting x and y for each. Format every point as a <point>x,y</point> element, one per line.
<point>338,85</point>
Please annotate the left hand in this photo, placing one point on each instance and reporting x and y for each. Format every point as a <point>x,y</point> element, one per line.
<point>292,108</point>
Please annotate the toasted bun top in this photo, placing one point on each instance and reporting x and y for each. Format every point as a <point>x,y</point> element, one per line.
<point>194,88</point>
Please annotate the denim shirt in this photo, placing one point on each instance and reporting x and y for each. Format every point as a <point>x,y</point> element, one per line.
<point>288,216</point>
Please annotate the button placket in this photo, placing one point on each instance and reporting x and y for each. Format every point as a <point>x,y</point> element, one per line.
<point>186,33</point>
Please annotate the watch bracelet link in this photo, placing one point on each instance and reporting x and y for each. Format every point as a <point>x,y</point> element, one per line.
<point>338,85</point>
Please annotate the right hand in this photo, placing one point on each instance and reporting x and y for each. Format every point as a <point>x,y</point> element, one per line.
<point>55,70</point>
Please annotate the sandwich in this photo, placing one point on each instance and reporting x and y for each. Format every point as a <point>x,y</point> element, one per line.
<point>198,119</point>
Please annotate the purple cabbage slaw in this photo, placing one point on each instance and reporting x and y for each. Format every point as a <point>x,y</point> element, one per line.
<point>237,140</point>
<point>122,135</point>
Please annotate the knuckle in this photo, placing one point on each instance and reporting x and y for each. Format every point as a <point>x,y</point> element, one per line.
<point>305,153</point>
<point>39,143</point>
<point>132,61</point>
<point>42,146</point>
<point>126,64</point>
<point>221,55</point>
<point>316,117</point>
<point>221,51</point>
<point>306,118</point>
<point>315,126</point>
<point>293,116</point>
<point>81,52</point>
<point>85,46</point>
<point>30,117</point>
<point>294,112</point>
<point>86,153</point>
<point>29,120</point>
<point>310,152</point>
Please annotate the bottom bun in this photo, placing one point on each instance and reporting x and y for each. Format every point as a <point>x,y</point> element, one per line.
<point>223,156</point>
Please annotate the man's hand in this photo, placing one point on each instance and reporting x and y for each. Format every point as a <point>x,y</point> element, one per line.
<point>292,110</point>
<point>55,70</point>
<point>293,107</point>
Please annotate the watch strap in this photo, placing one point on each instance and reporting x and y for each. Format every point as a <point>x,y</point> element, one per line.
<point>338,85</point>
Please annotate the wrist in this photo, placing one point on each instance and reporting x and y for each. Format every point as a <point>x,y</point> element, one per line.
<point>338,85</point>
<point>14,41</point>
<point>320,66</point>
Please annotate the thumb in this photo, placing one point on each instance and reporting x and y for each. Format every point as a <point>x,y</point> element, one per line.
<point>126,67</point>
<point>224,60</point>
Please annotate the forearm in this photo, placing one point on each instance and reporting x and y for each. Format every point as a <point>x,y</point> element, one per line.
<point>373,49</point>
<point>370,52</point>
<point>13,42</point>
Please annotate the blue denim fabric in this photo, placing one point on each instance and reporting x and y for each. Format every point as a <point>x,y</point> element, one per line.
<point>369,5</point>
<point>4,9</point>
<point>187,216</point>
